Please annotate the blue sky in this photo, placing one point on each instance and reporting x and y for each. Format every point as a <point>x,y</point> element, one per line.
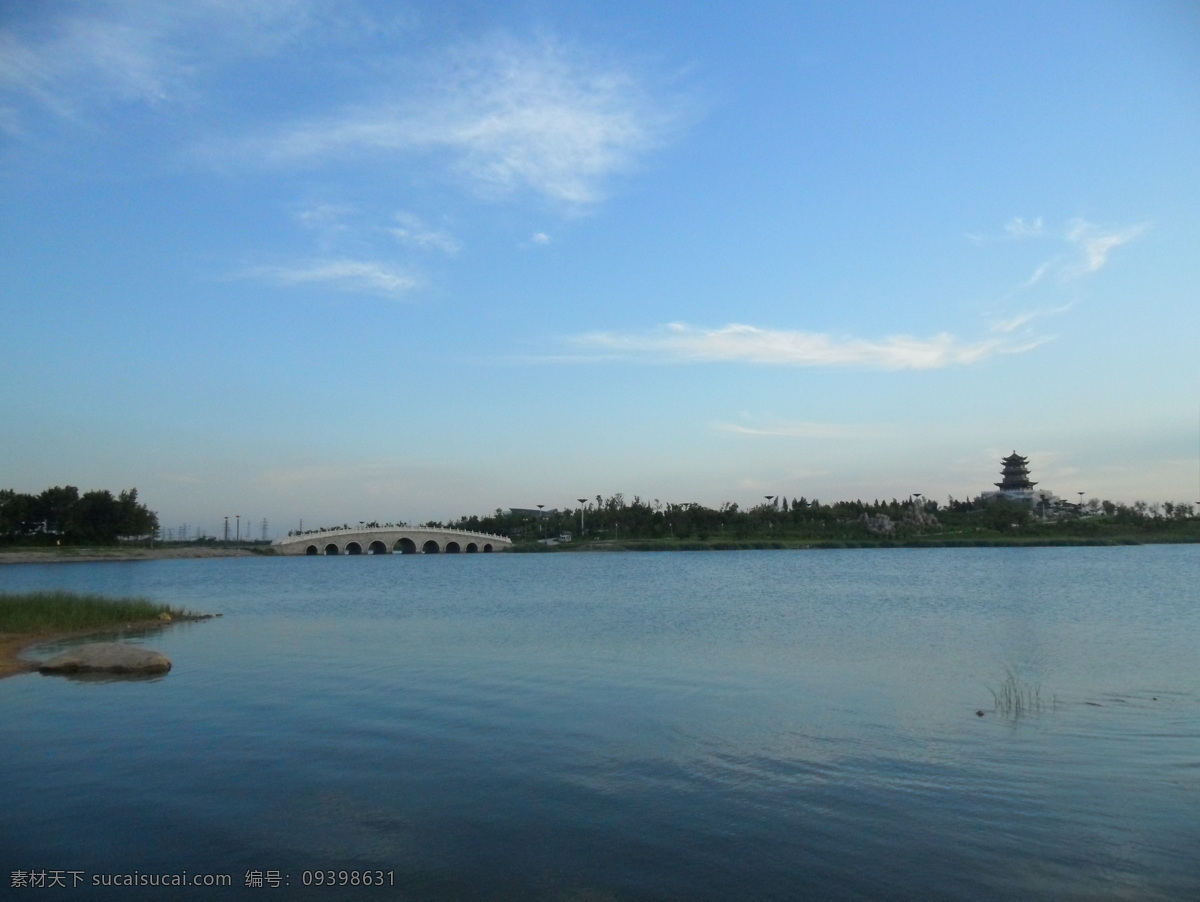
<point>338,261</point>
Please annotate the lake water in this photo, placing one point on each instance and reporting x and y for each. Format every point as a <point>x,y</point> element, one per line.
<point>588,727</point>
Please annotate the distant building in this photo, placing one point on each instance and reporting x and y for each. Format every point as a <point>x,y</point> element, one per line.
<point>1016,474</point>
<point>1016,485</point>
<point>532,512</point>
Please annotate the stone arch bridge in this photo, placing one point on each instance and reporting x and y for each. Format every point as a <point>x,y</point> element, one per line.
<point>391,540</point>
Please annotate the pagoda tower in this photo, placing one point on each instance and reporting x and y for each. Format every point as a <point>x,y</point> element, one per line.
<point>1016,474</point>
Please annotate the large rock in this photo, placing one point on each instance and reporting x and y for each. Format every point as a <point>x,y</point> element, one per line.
<point>107,657</point>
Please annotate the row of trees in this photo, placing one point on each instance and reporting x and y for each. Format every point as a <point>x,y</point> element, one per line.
<point>779,518</point>
<point>62,515</point>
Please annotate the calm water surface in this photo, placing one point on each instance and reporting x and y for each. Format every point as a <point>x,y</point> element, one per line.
<point>727,725</point>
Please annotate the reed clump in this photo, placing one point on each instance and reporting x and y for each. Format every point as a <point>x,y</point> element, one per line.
<point>39,612</point>
<point>1017,697</point>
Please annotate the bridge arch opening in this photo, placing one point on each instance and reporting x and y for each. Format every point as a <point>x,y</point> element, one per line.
<point>430,547</point>
<point>312,549</point>
<point>487,548</point>
<point>453,548</point>
<point>472,548</point>
<point>353,548</point>
<point>377,547</point>
<point>331,548</point>
<point>405,546</point>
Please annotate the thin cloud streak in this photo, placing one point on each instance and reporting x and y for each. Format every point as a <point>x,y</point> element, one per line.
<point>1019,228</point>
<point>1014,323</point>
<point>736,343</point>
<point>344,275</point>
<point>411,231</point>
<point>824,431</point>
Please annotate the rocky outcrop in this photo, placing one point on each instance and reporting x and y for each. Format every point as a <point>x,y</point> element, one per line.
<point>107,657</point>
<point>915,520</point>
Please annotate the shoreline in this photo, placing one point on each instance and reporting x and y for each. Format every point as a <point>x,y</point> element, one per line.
<point>86,555</point>
<point>13,645</point>
<point>91,555</point>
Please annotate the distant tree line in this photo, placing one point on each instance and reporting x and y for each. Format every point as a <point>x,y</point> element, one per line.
<point>62,515</point>
<point>801,519</point>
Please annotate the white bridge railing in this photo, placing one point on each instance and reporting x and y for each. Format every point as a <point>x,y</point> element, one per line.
<point>341,531</point>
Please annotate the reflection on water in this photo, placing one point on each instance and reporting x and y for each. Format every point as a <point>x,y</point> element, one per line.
<point>693,726</point>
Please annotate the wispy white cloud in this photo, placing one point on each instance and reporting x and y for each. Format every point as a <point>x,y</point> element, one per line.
<point>503,115</point>
<point>86,59</point>
<point>1086,249</point>
<point>70,60</point>
<point>736,343</point>
<point>1021,320</point>
<point>511,114</point>
<point>343,275</point>
<point>1020,228</point>
<point>325,216</point>
<point>1083,247</point>
<point>411,231</point>
<point>802,429</point>
<point>1094,244</point>
<point>330,224</point>
<point>1041,272</point>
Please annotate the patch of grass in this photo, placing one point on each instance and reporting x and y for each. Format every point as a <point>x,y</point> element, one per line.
<point>1016,697</point>
<point>37,612</point>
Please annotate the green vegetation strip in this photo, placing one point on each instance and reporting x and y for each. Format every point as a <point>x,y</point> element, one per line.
<point>36,612</point>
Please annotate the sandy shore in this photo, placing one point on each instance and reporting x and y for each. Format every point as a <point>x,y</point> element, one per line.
<point>12,645</point>
<point>87,555</point>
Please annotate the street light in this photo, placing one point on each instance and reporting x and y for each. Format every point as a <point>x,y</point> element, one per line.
<point>582,503</point>
<point>543,519</point>
<point>1080,494</point>
<point>239,527</point>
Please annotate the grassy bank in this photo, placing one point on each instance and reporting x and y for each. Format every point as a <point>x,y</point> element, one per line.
<point>67,554</point>
<point>40,612</point>
<point>27,618</point>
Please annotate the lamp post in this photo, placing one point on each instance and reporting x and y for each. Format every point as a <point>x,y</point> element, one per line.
<point>227,529</point>
<point>542,517</point>
<point>1080,494</point>
<point>582,504</point>
<point>239,527</point>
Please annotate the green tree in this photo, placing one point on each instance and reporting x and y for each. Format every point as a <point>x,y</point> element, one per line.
<point>18,513</point>
<point>1004,514</point>
<point>55,507</point>
<point>134,519</point>
<point>97,517</point>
